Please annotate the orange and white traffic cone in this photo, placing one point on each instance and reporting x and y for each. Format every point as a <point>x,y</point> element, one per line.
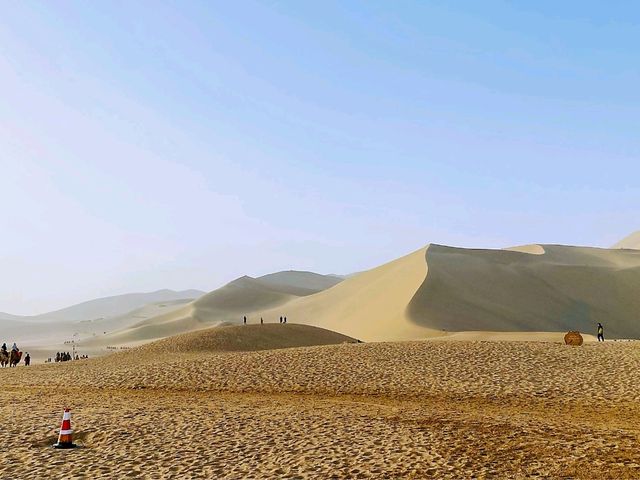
<point>65,438</point>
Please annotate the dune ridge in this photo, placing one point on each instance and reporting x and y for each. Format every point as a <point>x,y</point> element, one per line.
<point>245,296</point>
<point>534,291</point>
<point>370,305</point>
<point>566,288</point>
<point>245,338</point>
<point>630,242</point>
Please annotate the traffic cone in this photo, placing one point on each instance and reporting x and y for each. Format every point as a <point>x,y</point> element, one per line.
<point>65,438</point>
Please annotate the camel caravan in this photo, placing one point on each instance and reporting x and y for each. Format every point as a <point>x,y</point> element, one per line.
<point>12,358</point>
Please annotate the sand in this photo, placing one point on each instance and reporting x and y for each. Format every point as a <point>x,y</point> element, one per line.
<point>440,291</point>
<point>245,338</point>
<point>630,242</point>
<point>566,288</point>
<point>371,306</point>
<point>530,292</point>
<point>98,326</point>
<point>425,409</point>
<point>245,296</point>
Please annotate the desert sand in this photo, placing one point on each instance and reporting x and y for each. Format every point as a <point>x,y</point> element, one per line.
<point>530,292</point>
<point>439,291</point>
<point>98,326</point>
<point>421,409</point>
<point>228,304</point>
<point>630,242</point>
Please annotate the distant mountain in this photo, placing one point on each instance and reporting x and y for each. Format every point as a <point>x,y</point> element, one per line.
<point>631,242</point>
<point>244,296</point>
<point>10,318</point>
<point>58,331</point>
<point>107,306</point>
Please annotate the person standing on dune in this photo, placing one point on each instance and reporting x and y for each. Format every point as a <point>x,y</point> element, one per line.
<point>600,333</point>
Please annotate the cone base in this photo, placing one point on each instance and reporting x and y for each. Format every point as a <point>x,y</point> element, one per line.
<point>64,445</point>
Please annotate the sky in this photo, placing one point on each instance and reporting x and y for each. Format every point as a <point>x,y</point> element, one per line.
<point>181,144</point>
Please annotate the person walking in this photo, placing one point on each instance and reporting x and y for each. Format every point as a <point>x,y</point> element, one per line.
<point>285,320</point>
<point>27,360</point>
<point>261,321</point>
<point>280,319</point>
<point>600,332</point>
<point>245,319</point>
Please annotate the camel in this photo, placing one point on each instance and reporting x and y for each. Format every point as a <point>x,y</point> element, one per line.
<point>14,358</point>
<point>4,358</point>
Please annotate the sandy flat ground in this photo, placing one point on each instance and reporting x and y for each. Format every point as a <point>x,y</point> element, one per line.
<point>412,409</point>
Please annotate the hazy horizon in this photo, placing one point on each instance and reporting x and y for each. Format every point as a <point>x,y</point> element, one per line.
<point>163,145</point>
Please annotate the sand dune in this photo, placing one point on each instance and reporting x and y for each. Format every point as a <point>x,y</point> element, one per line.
<point>108,306</point>
<point>43,339</point>
<point>566,288</point>
<point>96,324</point>
<point>370,306</point>
<point>438,291</point>
<point>533,291</point>
<point>631,242</point>
<point>243,296</point>
<point>245,338</point>
<point>441,289</point>
<point>532,249</point>
<point>300,283</point>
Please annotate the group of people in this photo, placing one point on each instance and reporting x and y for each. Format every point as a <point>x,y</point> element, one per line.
<point>66,356</point>
<point>14,348</point>
<point>60,356</point>
<point>282,320</point>
<point>63,357</point>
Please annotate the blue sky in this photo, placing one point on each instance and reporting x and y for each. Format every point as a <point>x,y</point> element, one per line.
<point>181,144</point>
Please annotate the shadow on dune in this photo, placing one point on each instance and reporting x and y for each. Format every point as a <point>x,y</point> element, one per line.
<point>566,288</point>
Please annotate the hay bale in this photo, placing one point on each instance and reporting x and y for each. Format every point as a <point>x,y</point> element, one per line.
<point>573,338</point>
